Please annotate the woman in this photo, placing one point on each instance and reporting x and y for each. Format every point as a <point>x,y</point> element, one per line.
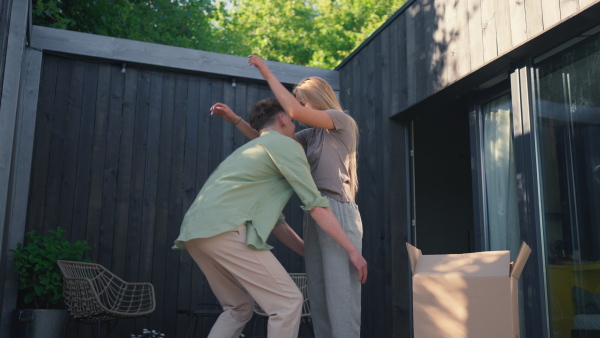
<point>331,147</point>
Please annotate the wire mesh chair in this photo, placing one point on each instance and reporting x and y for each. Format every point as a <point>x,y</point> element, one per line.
<point>95,295</point>
<point>300,280</point>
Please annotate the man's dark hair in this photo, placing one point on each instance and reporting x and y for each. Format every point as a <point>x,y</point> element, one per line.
<point>264,113</point>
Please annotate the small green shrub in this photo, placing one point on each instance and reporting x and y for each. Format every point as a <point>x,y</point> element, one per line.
<point>35,261</point>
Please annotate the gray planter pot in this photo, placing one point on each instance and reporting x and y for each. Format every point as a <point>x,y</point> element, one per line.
<point>40,323</point>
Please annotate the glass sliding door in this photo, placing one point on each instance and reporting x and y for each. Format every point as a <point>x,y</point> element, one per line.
<point>496,187</point>
<point>567,127</point>
<point>501,212</point>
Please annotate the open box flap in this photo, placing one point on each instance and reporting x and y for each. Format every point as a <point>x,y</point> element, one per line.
<point>413,255</point>
<point>521,260</point>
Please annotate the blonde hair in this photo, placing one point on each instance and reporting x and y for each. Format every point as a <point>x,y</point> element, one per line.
<point>316,93</point>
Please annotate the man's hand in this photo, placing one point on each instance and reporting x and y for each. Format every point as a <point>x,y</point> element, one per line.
<point>286,235</point>
<point>224,111</point>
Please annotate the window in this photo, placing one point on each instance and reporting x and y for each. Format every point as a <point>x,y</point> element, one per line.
<point>567,125</point>
<point>502,218</point>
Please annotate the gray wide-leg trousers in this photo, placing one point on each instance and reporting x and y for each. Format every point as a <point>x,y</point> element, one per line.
<point>333,285</point>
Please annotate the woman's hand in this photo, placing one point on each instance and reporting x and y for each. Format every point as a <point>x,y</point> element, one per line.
<point>256,61</point>
<point>306,115</point>
<point>361,265</point>
<point>224,111</point>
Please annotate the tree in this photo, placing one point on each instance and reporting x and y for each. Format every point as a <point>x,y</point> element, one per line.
<point>275,29</point>
<point>183,23</point>
<point>317,33</point>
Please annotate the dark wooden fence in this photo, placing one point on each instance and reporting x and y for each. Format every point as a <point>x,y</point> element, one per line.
<point>120,154</point>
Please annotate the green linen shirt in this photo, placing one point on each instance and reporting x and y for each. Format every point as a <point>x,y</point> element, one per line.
<point>252,185</point>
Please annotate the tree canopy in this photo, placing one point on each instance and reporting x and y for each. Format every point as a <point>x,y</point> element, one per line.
<point>317,33</point>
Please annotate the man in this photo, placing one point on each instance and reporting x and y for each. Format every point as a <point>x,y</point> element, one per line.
<point>226,228</point>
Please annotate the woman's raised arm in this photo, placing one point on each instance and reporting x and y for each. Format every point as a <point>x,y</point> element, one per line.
<point>300,113</point>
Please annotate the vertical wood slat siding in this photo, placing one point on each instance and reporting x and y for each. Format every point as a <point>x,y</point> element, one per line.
<point>534,18</point>
<point>386,105</point>
<point>399,61</point>
<point>5,11</point>
<point>368,178</point>
<point>119,158</point>
<point>475,31</point>
<point>451,38</point>
<point>568,8</point>
<point>411,15</point>
<point>448,39</point>
<point>111,165</point>
<point>360,111</point>
<point>132,250</point>
<point>550,12</point>
<point>125,171</point>
<point>228,132</point>
<point>488,29</point>
<point>503,26</point>
<point>423,43</point>
<point>56,150</point>
<point>435,37</point>
<point>216,130</point>
<point>240,107</point>
<point>175,215</point>
<point>99,146</point>
<point>84,156</point>
<point>41,153</point>
<point>391,62</point>
<point>192,114</point>
<point>461,66</point>
<point>162,102</point>
<point>178,277</point>
<point>203,172</point>
<point>67,189</point>
<point>518,23</point>
<point>380,240</point>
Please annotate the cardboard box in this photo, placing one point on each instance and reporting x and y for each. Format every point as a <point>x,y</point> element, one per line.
<point>471,295</point>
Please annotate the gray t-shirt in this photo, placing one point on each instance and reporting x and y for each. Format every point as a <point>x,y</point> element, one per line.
<point>328,153</point>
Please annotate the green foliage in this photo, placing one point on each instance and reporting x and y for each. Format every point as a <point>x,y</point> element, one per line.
<point>275,30</point>
<point>183,23</point>
<point>317,33</point>
<point>39,275</point>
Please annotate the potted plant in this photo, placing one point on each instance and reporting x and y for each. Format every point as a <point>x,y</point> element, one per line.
<point>40,282</point>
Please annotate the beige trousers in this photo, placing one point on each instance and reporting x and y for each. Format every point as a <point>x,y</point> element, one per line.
<point>238,276</point>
